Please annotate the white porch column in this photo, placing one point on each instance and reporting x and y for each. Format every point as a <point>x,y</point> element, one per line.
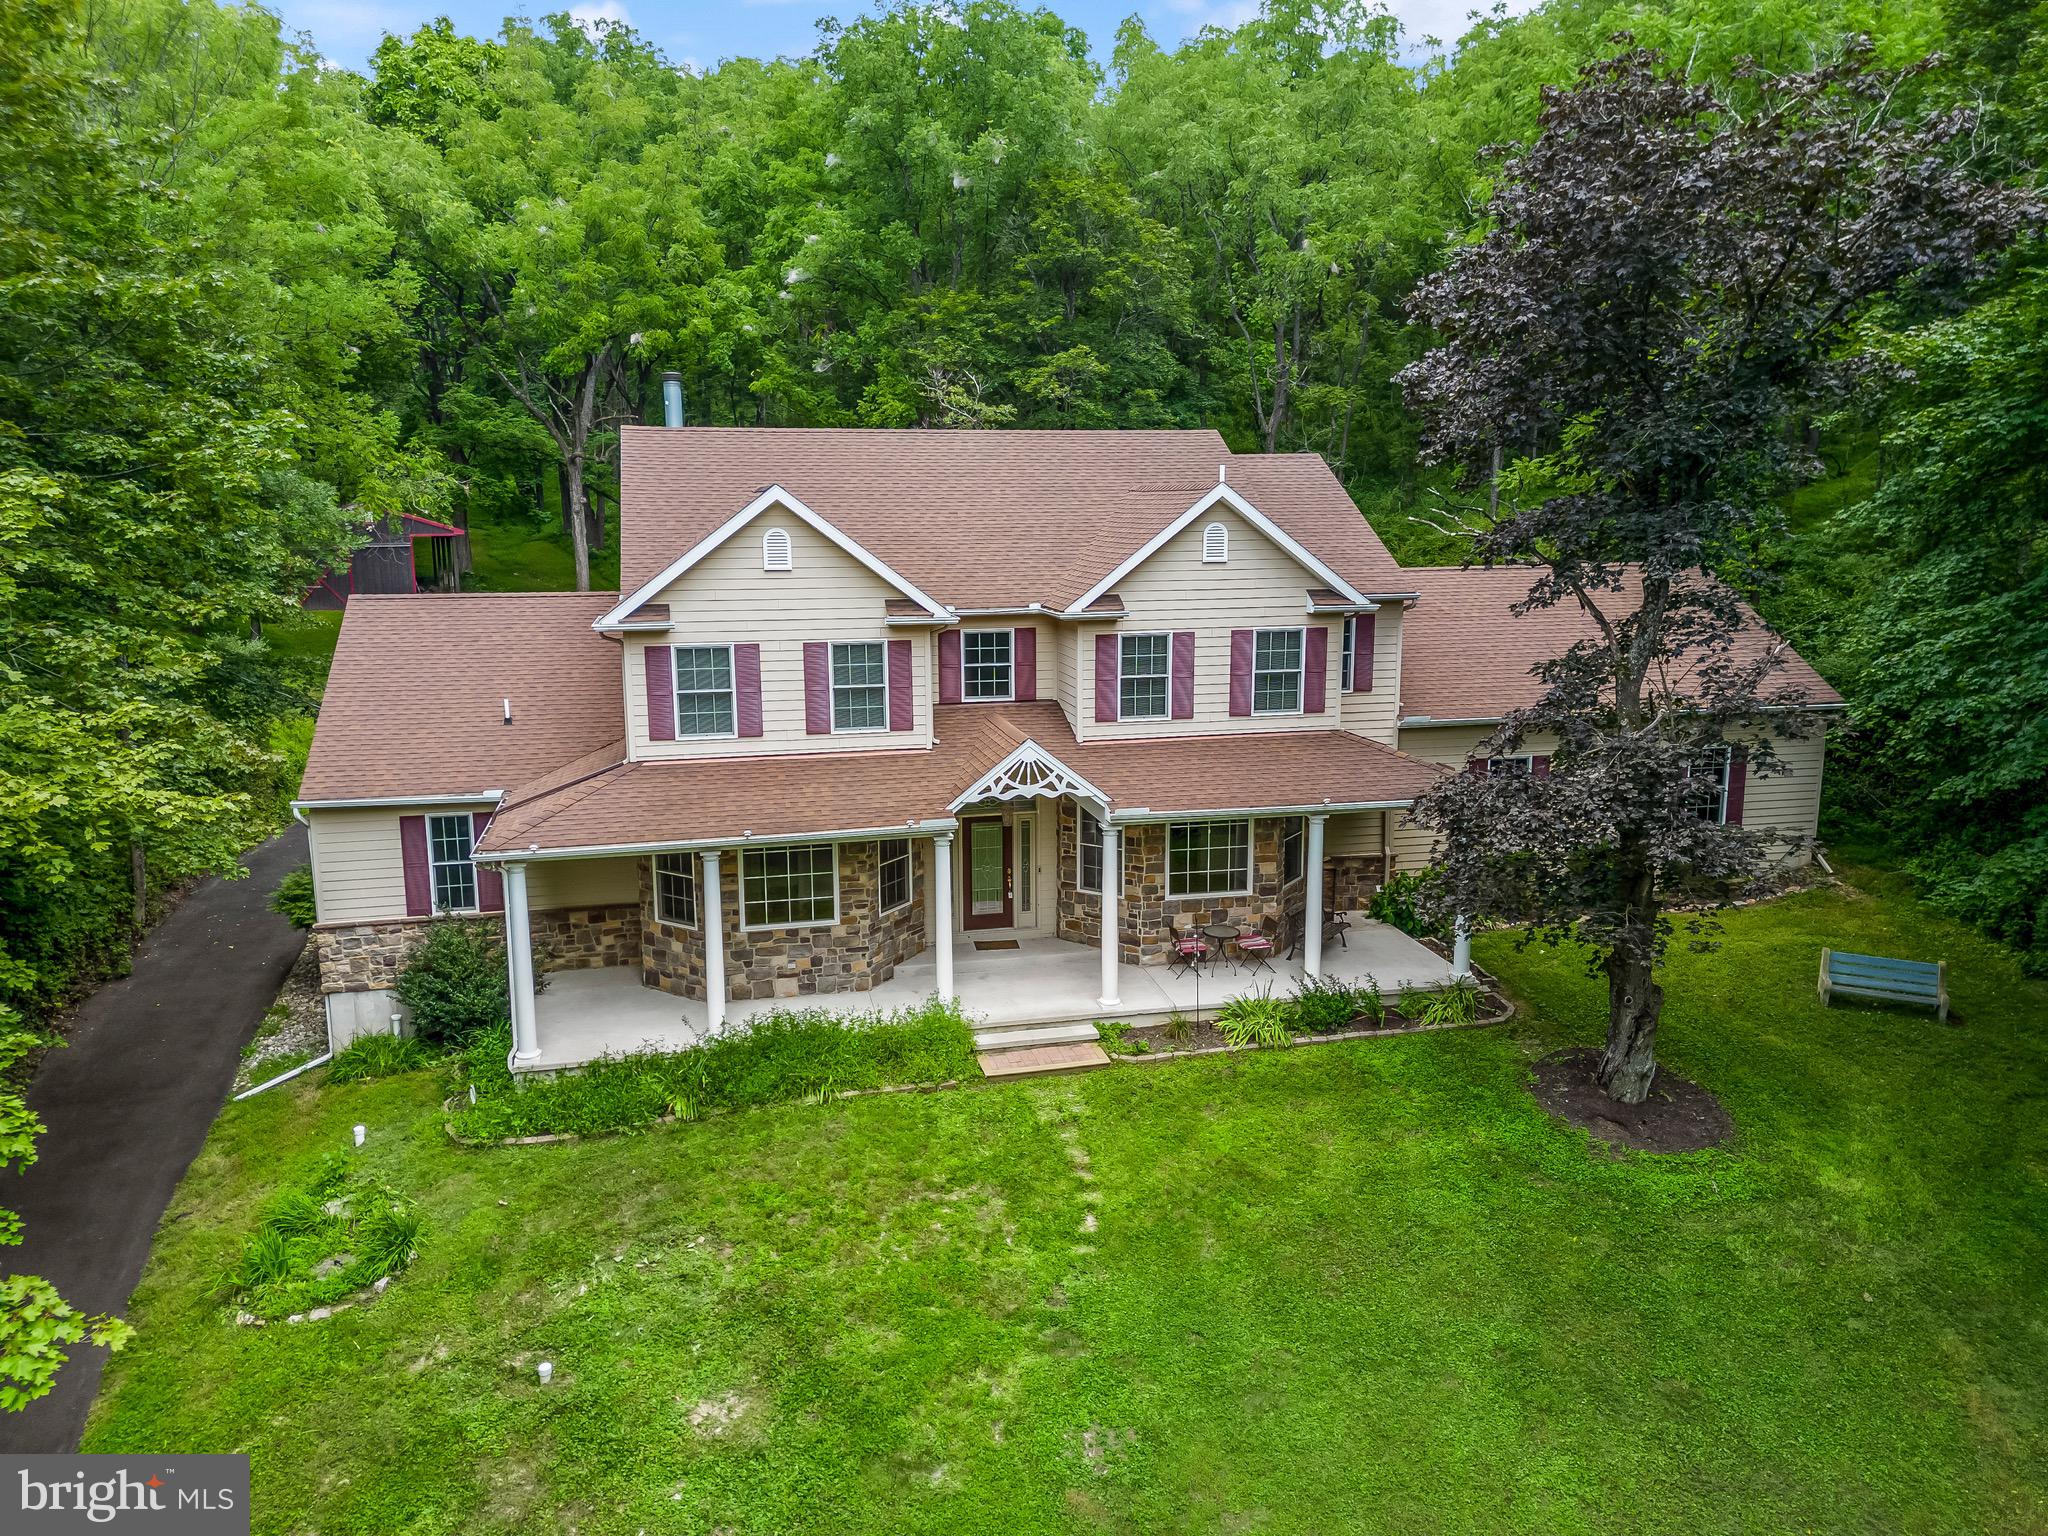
<point>712,911</point>
<point>1461,947</point>
<point>1112,890</point>
<point>942,912</point>
<point>1312,896</point>
<point>519,965</point>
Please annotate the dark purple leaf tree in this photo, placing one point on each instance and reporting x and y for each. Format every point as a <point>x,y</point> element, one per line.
<point>1668,282</point>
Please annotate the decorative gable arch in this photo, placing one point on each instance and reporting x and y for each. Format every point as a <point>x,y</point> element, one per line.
<point>1030,773</point>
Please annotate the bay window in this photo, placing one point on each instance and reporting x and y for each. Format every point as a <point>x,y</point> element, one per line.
<point>789,887</point>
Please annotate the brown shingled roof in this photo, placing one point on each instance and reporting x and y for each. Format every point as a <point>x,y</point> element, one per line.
<point>1464,656</point>
<point>978,519</point>
<point>649,804</point>
<point>415,701</point>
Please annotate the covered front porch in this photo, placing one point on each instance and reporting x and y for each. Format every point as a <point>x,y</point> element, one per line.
<point>582,1015</point>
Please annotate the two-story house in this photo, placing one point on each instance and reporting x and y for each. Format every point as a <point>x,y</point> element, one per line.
<point>873,698</point>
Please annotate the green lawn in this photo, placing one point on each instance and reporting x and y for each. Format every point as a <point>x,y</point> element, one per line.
<point>1366,1286</point>
<point>524,555</point>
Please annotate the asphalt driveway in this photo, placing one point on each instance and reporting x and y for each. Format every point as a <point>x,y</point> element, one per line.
<point>128,1103</point>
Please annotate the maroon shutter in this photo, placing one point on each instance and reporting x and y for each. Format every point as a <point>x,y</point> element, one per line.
<point>902,700</point>
<point>1240,672</point>
<point>1026,664</point>
<point>817,688</point>
<point>661,693</point>
<point>419,875</point>
<point>746,688</point>
<point>490,883</point>
<point>1105,677</point>
<point>1362,629</point>
<point>1184,674</point>
<point>1738,781</point>
<point>1539,766</point>
<point>1476,766</point>
<point>1315,663</point>
<point>949,666</point>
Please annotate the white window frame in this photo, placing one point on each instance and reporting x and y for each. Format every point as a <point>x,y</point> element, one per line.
<point>435,865</point>
<point>967,695</point>
<point>1215,544</point>
<point>749,854</point>
<point>1083,819</point>
<point>1178,827</point>
<point>688,874</point>
<point>1024,838</point>
<point>778,550</point>
<point>1166,677</point>
<point>1726,756</point>
<point>1294,835</point>
<point>1350,654</point>
<point>1300,670</point>
<point>676,691</point>
<point>1500,767</point>
<point>832,682</point>
<point>909,873</point>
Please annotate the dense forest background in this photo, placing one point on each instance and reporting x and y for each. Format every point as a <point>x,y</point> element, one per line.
<point>248,300</point>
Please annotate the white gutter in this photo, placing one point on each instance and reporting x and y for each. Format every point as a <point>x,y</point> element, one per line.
<point>376,802</point>
<point>1144,814</point>
<point>284,1077</point>
<point>1427,722</point>
<point>744,840</point>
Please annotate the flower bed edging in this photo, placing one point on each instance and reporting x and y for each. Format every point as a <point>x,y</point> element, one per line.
<point>1507,1011</point>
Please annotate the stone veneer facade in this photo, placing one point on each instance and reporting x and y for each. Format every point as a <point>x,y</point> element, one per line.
<point>1146,915</point>
<point>855,954</point>
<point>367,957</point>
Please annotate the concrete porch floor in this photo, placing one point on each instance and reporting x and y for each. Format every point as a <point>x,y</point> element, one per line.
<point>586,1014</point>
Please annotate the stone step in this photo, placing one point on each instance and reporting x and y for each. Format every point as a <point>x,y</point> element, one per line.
<point>1017,1037</point>
<point>1042,1061</point>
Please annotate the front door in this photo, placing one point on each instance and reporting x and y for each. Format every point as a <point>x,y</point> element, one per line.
<point>987,859</point>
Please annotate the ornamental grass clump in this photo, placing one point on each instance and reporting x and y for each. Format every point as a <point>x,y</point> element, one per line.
<point>373,1056</point>
<point>784,1057</point>
<point>1257,1018</point>
<point>316,1244</point>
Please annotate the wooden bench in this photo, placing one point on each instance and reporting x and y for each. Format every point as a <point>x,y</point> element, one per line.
<point>1918,982</point>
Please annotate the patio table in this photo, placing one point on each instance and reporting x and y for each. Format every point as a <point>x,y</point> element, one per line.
<point>1222,938</point>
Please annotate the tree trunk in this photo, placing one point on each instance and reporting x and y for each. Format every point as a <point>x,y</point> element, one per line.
<point>564,499</point>
<point>1634,1000</point>
<point>579,519</point>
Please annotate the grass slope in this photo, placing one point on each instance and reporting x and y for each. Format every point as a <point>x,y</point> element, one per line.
<point>1366,1286</point>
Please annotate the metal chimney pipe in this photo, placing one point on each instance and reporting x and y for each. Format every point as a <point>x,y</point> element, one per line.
<point>672,399</point>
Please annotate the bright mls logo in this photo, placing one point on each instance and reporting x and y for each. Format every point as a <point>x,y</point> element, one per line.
<point>162,1495</point>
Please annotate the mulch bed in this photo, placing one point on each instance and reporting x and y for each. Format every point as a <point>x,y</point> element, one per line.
<point>1678,1116</point>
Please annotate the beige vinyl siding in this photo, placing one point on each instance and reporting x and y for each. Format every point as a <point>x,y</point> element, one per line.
<point>1354,835</point>
<point>358,866</point>
<point>1376,715</point>
<point>727,598</point>
<point>1062,641</point>
<point>1259,587</point>
<point>582,883</point>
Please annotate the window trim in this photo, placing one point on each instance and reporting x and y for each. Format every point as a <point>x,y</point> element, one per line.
<point>654,874</point>
<point>1726,754</point>
<point>909,875</point>
<point>1009,694</point>
<point>831,683</point>
<point>1294,835</point>
<point>1166,695</point>
<point>1210,895</point>
<point>732,689</point>
<point>1300,705</point>
<point>1082,819</point>
<point>1526,759</point>
<point>434,865</point>
<point>826,922</point>
<point>1350,653</point>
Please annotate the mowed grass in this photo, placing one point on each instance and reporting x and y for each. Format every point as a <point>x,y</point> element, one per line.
<point>1359,1287</point>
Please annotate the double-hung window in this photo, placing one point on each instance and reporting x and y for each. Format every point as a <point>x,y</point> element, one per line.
<point>987,664</point>
<point>1291,833</point>
<point>1276,672</point>
<point>892,858</point>
<point>675,889</point>
<point>1710,785</point>
<point>860,686</point>
<point>1142,689</point>
<point>1088,854</point>
<point>451,846</point>
<point>789,887</point>
<point>704,700</point>
<point>1209,858</point>
<point>1520,766</point>
<point>1350,653</point>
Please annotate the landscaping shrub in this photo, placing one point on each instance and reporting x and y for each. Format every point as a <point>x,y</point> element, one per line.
<point>1257,1018</point>
<point>1323,1005</point>
<point>454,984</point>
<point>1399,903</point>
<point>314,1245</point>
<point>379,1056</point>
<point>293,897</point>
<point>781,1057</point>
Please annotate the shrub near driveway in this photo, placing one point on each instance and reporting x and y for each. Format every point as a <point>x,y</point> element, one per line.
<point>774,1058</point>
